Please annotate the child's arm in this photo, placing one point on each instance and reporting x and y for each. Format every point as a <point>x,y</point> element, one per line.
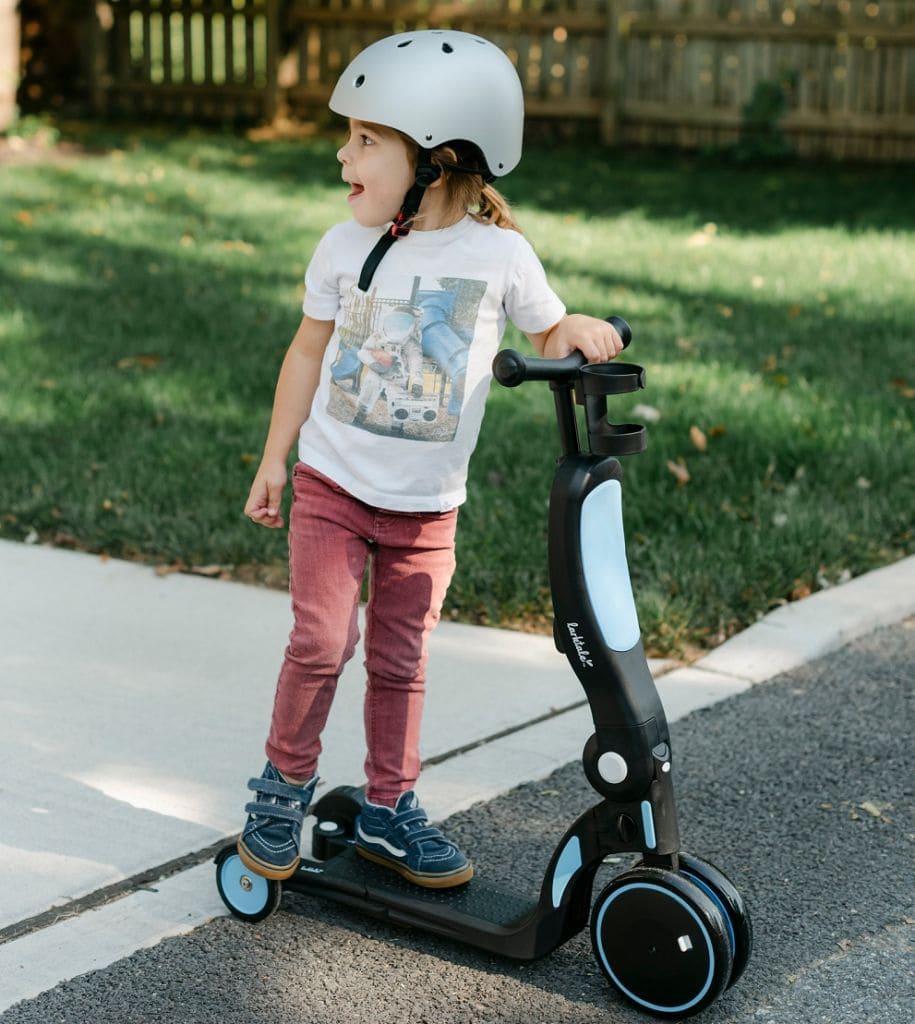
<point>295,390</point>
<point>596,339</point>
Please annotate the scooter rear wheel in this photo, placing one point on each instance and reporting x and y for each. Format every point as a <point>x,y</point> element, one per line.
<point>248,896</point>
<point>662,942</point>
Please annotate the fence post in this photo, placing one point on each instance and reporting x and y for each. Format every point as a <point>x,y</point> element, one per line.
<point>271,100</point>
<point>610,103</point>
<point>9,61</point>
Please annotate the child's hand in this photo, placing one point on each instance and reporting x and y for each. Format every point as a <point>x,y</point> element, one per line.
<point>597,340</point>
<point>266,496</point>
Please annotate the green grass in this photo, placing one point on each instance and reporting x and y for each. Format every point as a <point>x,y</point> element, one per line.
<point>149,290</point>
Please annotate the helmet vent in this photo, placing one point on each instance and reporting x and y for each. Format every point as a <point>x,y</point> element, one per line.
<point>360,81</point>
<point>447,48</point>
<point>406,42</point>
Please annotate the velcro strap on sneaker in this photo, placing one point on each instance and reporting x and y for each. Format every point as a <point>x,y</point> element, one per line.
<point>268,787</point>
<point>260,810</point>
<point>407,818</point>
<point>417,835</point>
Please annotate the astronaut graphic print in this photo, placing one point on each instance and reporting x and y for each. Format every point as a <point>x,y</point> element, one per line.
<point>402,361</point>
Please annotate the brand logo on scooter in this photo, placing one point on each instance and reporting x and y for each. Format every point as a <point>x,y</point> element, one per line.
<point>584,655</point>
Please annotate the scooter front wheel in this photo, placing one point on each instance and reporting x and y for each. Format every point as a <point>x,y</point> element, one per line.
<point>736,916</point>
<point>662,942</point>
<point>248,896</point>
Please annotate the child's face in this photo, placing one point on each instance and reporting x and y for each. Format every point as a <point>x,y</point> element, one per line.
<point>377,166</point>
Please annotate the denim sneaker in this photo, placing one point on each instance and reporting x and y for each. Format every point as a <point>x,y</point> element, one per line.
<point>404,840</point>
<point>269,844</point>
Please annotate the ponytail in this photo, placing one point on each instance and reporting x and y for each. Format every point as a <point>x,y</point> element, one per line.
<point>493,208</point>
<point>466,193</point>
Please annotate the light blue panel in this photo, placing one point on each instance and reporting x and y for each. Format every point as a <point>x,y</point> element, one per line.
<point>603,550</point>
<point>568,863</point>
<point>648,825</point>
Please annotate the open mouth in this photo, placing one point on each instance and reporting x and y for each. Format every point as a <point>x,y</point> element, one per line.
<point>355,190</point>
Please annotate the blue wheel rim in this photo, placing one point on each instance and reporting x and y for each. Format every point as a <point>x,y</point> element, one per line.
<point>683,1007</point>
<point>244,891</point>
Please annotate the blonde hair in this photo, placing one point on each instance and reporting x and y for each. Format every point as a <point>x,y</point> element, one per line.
<point>466,193</point>
<point>469,193</point>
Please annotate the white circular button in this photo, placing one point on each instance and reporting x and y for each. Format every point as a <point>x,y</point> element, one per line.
<point>612,768</point>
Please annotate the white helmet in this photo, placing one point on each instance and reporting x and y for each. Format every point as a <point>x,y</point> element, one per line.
<point>438,86</point>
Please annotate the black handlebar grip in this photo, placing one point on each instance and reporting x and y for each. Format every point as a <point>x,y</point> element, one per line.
<point>622,329</point>
<point>511,368</point>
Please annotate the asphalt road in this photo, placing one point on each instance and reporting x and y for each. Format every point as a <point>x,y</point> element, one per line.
<point>801,789</point>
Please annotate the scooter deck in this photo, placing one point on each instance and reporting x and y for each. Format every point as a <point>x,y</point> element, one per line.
<point>477,913</point>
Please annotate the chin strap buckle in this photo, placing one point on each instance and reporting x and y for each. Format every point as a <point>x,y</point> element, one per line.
<point>401,226</point>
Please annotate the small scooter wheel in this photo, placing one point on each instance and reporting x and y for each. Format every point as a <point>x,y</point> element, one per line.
<point>729,900</point>
<point>248,896</point>
<point>661,941</point>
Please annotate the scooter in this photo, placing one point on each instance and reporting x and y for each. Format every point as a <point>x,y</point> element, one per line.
<point>670,934</point>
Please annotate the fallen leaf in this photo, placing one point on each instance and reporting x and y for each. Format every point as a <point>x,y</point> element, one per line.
<point>844,944</point>
<point>719,430</point>
<point>876,810</point>
<point>680,471</point>
<point>207,570</point>
<point>25,217</point>
<point>698,438</point>
<point>167,570</point>
<point>247,458</point>
<point>800,590</point>
<point>726,311</point>
<point>237,245</point>
<point>794,312</point>
<point>148,362</point>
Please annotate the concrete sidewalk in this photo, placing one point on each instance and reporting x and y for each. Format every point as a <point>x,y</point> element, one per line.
<point>133,707</point>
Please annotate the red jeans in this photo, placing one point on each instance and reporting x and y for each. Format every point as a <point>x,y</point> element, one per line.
<point>332,536</point>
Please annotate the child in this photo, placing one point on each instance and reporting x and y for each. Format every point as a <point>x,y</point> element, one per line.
<point>383,388</point>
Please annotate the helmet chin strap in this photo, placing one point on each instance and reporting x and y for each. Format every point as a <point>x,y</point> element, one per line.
<point>426,174</point>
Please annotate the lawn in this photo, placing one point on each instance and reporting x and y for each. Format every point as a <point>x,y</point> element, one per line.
<point>149,287</point>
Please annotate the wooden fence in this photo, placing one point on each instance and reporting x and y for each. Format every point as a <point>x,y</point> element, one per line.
<point>839,74</point>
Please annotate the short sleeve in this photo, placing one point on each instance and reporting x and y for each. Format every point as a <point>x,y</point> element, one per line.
<point>530,303</point>
<point>322,293</point>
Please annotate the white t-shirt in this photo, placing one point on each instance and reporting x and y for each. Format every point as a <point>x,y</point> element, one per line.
<point>406,373</point>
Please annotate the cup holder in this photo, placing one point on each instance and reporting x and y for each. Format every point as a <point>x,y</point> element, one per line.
<point>611,378</point>
<point>617,438</point>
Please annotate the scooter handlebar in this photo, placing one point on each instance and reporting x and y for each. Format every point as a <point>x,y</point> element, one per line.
<point>511,368</point>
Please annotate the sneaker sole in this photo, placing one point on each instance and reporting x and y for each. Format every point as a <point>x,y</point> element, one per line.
<point>262,868</point>
<point>425,880</point>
